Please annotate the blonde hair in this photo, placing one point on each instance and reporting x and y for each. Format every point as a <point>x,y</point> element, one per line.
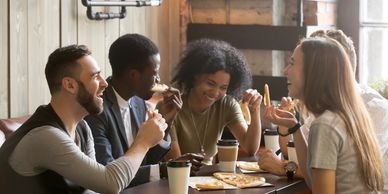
<point>330,85</point>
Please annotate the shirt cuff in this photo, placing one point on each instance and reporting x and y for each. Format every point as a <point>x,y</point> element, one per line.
<point>154,172</point>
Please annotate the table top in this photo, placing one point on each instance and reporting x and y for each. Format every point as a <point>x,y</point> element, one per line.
<point>281,185</point>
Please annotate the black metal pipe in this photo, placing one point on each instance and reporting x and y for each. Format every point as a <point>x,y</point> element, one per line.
<point>104,16</point>
<point>131,3</point>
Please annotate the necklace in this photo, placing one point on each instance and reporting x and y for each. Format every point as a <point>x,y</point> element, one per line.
<point>201,143</point>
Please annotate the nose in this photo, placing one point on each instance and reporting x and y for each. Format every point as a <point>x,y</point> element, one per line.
<point>285,70</point>
<point>103,83</point>
<point>216,92</point>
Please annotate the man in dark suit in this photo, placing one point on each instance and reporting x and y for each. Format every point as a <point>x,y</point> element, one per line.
<point>135,62</point>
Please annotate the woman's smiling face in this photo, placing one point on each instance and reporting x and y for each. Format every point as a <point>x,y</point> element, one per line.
<point>209,88</point>
<point>294,73</point>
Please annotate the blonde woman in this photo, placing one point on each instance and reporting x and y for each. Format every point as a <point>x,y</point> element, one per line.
<point>342,154</point>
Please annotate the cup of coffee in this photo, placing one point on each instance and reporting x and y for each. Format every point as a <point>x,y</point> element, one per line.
<point>292,152</point>
<point>271,140</point>
<point>227,154</point>
<point>178,176</point>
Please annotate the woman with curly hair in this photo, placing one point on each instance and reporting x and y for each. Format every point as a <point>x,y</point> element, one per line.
<point>213,76</point>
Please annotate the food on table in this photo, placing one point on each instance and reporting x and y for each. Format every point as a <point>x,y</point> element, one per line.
<point>210,186</point>
<point>251,166</point>
<point>240,180</point>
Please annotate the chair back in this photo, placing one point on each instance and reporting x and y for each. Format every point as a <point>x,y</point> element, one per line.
<point>8,126</point>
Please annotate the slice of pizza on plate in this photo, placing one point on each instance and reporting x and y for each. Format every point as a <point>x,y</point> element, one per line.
<point>240,180</point>
<point>247,167</point>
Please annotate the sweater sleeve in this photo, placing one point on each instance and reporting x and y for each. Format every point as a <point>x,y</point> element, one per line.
<point>46,148</point>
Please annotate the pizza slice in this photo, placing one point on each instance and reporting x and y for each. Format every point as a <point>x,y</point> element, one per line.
<point>210,186</point>
<point>159,88</point>
<point>251,166</point>
<point>291,105</point>
<point>152,113</point>
<point>245,112</point>
<point>240,180</point>
<point>267,100</point>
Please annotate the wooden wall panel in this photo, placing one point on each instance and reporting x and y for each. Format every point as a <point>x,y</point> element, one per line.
<point>209,12</point>
<point>112,32</point>
<point>69,17</point>
<point>4,59</point>
<point>92,34</point>
<point>43,38</point>
<point>158,17</point>
<point>18,57</point>
<point>251,12</point>
<point>134,22</point>
<point>174,37</point>
<point>38,27</point>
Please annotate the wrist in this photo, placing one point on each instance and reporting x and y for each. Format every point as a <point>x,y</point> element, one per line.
<point>290,130</point>
<point>139,146</point>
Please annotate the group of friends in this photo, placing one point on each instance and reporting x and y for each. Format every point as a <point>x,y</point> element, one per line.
<point>100,135</point>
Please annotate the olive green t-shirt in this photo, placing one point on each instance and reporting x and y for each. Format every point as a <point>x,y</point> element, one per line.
<point>192,129</point>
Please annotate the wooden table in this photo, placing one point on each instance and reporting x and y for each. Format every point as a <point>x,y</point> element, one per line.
<point>281,185</point>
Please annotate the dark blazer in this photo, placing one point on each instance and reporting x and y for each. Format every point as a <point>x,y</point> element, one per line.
<point>109,134</point>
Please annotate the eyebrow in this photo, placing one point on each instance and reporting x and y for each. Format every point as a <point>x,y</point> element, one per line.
<point>95,73</point>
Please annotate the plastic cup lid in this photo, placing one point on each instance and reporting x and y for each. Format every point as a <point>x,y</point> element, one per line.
<point>227,142</point>
<point>270,132</point>
<point>179,163</point>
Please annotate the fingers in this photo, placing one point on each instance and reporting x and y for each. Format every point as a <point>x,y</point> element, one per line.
<point>173,97</point>
<point>195,159</point>
<point>253,98</point>
<point>161,122</point>
<point>285,101</point>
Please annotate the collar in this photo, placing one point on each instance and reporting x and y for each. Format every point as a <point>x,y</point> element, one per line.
<point>123,104</point>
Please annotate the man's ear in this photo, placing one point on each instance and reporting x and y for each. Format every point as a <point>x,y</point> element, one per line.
<point>134,74</point>
<point>70,85</point>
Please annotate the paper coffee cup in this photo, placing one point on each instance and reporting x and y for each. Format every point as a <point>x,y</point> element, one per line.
<point>178,176</point>
<point>271,140</point>
<point>292,152</point>
<point>227,154</point>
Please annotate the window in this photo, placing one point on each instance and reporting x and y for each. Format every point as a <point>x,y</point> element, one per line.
<point>373,54</point>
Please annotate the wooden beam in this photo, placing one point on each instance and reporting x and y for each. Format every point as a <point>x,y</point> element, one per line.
<point>277,85</point>
<point>249,36</point>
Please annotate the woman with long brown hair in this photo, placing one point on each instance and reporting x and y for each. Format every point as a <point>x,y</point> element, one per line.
<point>342,154</point>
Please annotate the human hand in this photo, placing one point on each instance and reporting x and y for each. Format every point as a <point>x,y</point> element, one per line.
<point>270,162</point>
<point>195,159</point>
<point>152,130</point>
<point>288,104</point>
<point>172,103</point>
<point>280,117</point>
<point>253,98</point>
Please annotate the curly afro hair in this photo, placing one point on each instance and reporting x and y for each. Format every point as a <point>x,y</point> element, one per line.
<point>206,56</point>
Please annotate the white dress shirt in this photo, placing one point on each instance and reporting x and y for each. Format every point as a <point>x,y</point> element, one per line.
<point>126,116</point>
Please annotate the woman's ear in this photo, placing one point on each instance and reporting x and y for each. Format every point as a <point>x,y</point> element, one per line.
<point>70,85</point>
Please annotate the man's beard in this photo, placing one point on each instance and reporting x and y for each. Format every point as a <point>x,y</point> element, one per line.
<point>87,101</point>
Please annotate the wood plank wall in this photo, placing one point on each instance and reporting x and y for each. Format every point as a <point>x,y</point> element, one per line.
<point>35,28</point>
